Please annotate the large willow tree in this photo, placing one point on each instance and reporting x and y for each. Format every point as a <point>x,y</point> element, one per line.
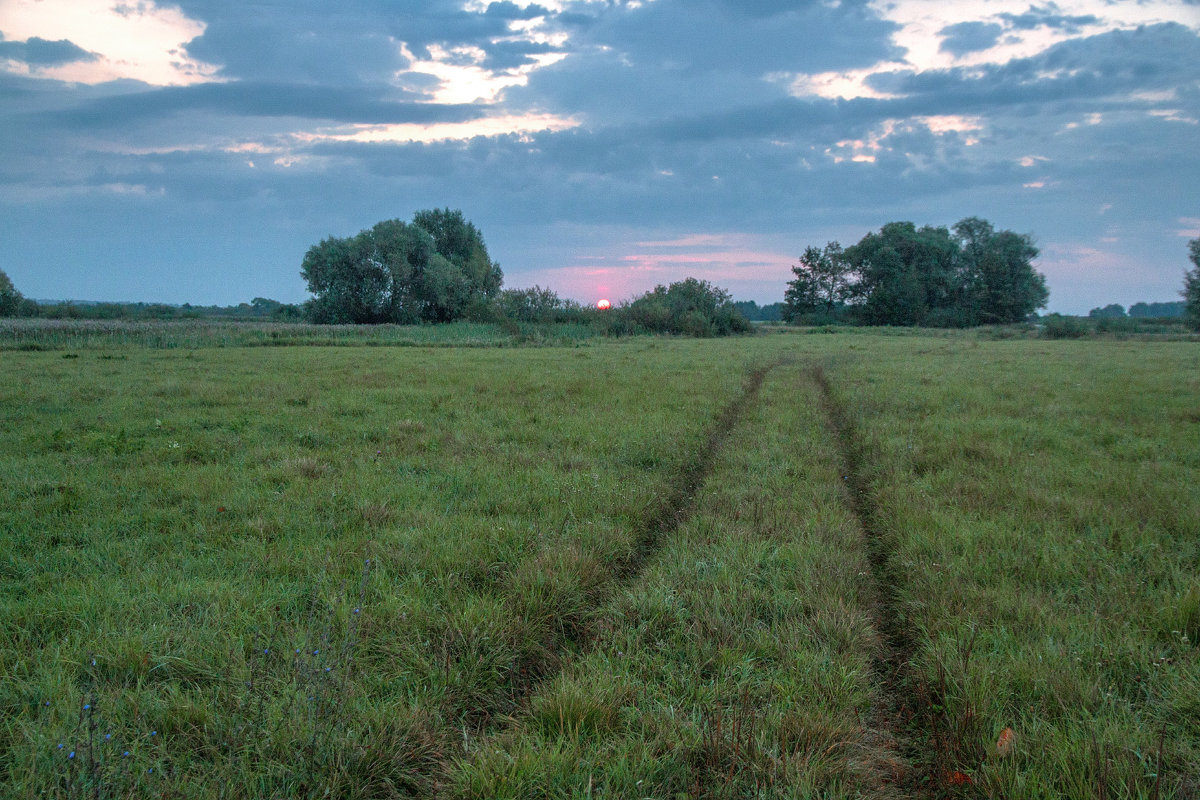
<point>430,270</point>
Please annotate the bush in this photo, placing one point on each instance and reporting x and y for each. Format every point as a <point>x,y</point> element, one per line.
<point>1056,326</point>
<point>690,307</point>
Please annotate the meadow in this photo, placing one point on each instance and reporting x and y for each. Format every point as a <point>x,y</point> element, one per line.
<point>850,564</point>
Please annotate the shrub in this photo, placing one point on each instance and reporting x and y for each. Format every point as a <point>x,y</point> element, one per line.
<point>690,307</point>
<point>1056,326</point>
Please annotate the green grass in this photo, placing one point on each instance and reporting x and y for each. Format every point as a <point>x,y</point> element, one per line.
<point>1044,525</point>
<point>117,335</point>
<point>621,570</point>
<point>740,663</point>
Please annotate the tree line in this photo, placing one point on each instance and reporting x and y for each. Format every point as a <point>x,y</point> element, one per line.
<point>436,268</point>
<point>969,274</point>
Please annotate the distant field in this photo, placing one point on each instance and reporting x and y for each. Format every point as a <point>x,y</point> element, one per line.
<point>68,334</point>
<point>787,565</point>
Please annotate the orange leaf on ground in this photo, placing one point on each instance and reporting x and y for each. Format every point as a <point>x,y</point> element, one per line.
<point>1004,745</point>
<point>957,778</point>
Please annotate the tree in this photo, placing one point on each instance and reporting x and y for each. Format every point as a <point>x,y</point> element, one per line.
<point>823,282</point>
<point>905,274</point>
<point>1006,286</point>
<point>1157,310</point>
<point>1110,311</point>
<point>401,272</point>
<point>1191,286</point>
<point>691,306</point>
<point>461,243</point>
<point>771,312</point>
<point>10,299</point>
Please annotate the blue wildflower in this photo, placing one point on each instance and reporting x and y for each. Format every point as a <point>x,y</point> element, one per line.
<point>71,754</point>
<point>125,754</point>
<point>60,747</point>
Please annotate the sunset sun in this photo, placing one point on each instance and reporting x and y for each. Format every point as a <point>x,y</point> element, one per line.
<point>603,305</point>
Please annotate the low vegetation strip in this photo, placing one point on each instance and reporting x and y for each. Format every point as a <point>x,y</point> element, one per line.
<point>1043,505</point>
<point>119,335</point>
<point>738,664</point>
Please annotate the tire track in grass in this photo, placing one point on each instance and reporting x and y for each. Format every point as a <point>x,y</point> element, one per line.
<point>895,721</point>
<point>673,510</point>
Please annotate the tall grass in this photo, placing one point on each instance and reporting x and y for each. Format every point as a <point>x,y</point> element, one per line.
<point>1040,500</point>
<point>618,570</point>
<point>740,663</point>
<point>53,334</point>
<point>160,512</point>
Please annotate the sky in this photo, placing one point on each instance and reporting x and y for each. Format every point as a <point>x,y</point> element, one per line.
<point>193,152</point>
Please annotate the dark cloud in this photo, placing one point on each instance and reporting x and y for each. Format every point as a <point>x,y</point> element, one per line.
<point>298,49</point>
<point>969,37</point>
<point>510,55</point>
<point>378,105</point>
<point>360,41</point>
<point>511,11</point>
<point>670,56</point>
<point>1048,16</point>
<point>1152,57</point>
<point>42,53</point>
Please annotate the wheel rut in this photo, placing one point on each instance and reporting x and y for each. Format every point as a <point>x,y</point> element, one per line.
<point>674,507</point>
<point>894,721</point>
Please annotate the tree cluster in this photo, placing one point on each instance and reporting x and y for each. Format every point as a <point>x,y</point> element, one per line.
<point>1139,311</point>
<point>771,312</point>
<point>690,307</point>
<point>969,274</point>
<point>12,302</point>
<point>1191,286</point>
<point>434,269</point>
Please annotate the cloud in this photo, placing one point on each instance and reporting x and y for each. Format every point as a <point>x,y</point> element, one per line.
<point>969,37</point>
<point>360,104</point>
<point>1048,16</point>
<point>1108,64</point>
<point>627,64</point>
<point>39,52</point>
<point>601,141</point>
<point>141,41</point>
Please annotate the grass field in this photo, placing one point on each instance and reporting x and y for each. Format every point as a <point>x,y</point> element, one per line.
<point>779,566</point>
